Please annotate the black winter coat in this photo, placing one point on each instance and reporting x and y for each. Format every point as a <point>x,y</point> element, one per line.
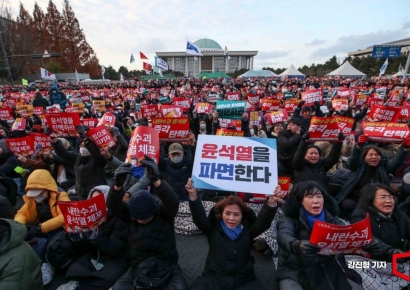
<point>156,238</point>
<point>391,232</point>
<point>287,146</point>
<point>303,170</point>
<point>229,263</point>
<point>40,102</point>
<point>306,122</point>
<point>316,270</point>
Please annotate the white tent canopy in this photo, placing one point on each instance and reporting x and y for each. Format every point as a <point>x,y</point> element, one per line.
<point>400,74</point>
<point>291,71</point>
<point>346,69</point>
<point>258,73</point>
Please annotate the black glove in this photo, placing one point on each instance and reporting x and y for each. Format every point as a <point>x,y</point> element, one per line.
<point>301,103</point>
<point>304,248</point>
<point>306,136</point>
<point>121,174</point>
<point>81,131</point>
<point>341,136</point>
<point>32,232</point>
<point>152,168</point>
<point>374,249</point>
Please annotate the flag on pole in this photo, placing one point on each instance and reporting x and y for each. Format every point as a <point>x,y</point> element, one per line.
<point>226,51</point>
<point>132,59</point>
<point>142,56</point>
<point>24,82</point>
<point>193,49</point>
<point>121,78</point>
<point>384,67</point>
<point>401,68</point>
<point>77,77</point>
<point>45,74</point>
<point>102,72</point>
<point>161,63</point>
<point>146,66</point>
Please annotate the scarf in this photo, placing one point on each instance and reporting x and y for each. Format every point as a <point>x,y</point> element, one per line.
<point>233,234</point>
<point>138,171</point>
<point>311,218</point>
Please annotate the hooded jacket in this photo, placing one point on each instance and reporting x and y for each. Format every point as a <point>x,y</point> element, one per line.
<point>57,97</point>
<point>19,264</point>
<point>41,179</point>
<point>7,161</point>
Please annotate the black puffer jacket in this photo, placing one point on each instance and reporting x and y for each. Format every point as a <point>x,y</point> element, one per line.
<point>8,161</point>
<point>229,263</point>
<point>287,146</point>
<point>315,270</point>
<point>391,232</point>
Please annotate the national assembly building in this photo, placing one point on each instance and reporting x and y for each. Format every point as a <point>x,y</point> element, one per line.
<point>213,59</point>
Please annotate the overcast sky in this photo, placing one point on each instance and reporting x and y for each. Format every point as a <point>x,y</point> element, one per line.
<point>282,31</point>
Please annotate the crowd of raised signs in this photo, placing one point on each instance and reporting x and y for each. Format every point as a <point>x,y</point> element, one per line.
<point>72,141</point>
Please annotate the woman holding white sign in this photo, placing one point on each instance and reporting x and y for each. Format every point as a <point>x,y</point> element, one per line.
<point>230,228</point>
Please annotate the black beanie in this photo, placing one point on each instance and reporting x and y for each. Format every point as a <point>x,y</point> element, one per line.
<point>142,205</point>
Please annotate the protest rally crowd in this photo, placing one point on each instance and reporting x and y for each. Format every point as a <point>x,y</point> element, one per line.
<point>88,191</point>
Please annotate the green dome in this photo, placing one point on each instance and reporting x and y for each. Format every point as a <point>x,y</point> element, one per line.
<point>206,43</point>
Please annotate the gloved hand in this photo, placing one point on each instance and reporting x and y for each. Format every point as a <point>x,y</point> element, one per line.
<point>32,232</point>
<point>81,131</point>
<point>115,131</point>
<point>306,136</point>
<point>304,248</point>
<point>92,235</point>
<point>374,248</point>
<point>362,139</point>
<point>152,168</point>
<point>406,143</point>
<point>341,136</point>
<point>301,103</point>
<point>121,174</point>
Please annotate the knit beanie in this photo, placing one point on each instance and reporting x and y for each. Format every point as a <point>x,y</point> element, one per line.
<point>142,205</point>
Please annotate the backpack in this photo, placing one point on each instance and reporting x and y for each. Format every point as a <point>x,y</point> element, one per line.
<point>336,180</point>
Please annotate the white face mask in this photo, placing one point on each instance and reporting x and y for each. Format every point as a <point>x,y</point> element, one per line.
<point>202,126</point>
<point>252,131</point>
<point>176,159</point>
<point>40,198</point>
<point>84,151</point>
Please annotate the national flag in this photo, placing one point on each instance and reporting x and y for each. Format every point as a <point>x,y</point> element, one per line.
<point>384,67</point>
<point>77,77</point>
<point>102,72</point>
<point>142,56</point>
<point>146,66</point>
<point>45,74</point>
<point>401,68</point>
<point>226,51</point>
<point>132,59</point>
<point>193,49</point>
<point>24,82</point>
<point>121,77</point>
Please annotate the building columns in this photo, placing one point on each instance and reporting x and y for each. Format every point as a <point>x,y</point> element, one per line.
<point>226,64</point>
<point>186,66</point>
<point>239,62</point>
<point>213,66</point>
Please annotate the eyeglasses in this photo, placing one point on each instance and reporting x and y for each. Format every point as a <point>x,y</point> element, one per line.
<point>385,197</point>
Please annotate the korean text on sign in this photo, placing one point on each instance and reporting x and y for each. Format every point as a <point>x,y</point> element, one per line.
<point>144,141</point>
<point>230,109</point>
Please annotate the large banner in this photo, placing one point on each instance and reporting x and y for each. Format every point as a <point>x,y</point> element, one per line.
<point>230,109</point>
<point>144,141</point>
<point>171,129</point>
<point>334,239</point>
<point>222,164</point>
<point>82,216</point>
<point>385,132</point>
<point>324,129</point>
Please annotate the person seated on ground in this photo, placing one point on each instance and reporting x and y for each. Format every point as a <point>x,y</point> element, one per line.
<point>307,164</point>
<point>91,259</point>
<point>7,161</point>
<point>368,165</point>
<point>300,266</point>
<point>19,264</point>
<point>230,228</point>
<point>151,231</point>
<point>41,214</point>
<point>288,142</point>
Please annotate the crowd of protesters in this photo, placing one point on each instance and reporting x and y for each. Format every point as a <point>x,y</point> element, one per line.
<point>337,182</point>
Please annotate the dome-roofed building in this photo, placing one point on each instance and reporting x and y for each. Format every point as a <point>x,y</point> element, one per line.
<point>213,59</point>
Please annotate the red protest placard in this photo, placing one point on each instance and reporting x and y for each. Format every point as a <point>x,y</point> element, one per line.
<point>233,96</point>
<point>203,108</point>
<point>324,129</point>
<point>387,114</point>
<point>183,102</point>
<point>404,112</point>
<point>19,124</point>
<point>55,109</point>
<point>345,124</point>
<point>171,129</point>
<point>340,104</point>
<point>107,119</point>
<point>373,101</point>
<point>291,104</point>
<point>171,111</point>
<point>253,99</point>
<point>277,116</point>
<point>149,111</point>
<point>284,183</point>
<point>42,140</point>
<point>81,216</point>
<point>21,145</point>
<point>385,132</point>
<point>225,123</point>
<point>90,122</point>
<point>312,96</point>
<point>38,110</point>
<point>270,104</point>
<point>5,113</point>
<point>144,141</point>
<point>63,122</point>
<point>86,98</point>
<point>343,93</point>
<point>226,132</point>
<point>101,137</point>
<point>335,239</point>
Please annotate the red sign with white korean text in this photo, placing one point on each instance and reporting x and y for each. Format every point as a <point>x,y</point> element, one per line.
<point>335,239</point>
<point>291,104</point>
<point>233,96</point>
<point>38,110</point>
<point>312,96</point>
<point>226,132</point>
<point>63,122</point>
<point>340,104</point>
<point>404,113</point>
<point>42,140</point>
<point>183,102</point>
<point>203,108</point>
<point>277,116</point>
<point>55,109</point>
<point>171,129</point>
<point>171,111</point>
<point>107,119</point>
<point>225,123</point>
<point>90,122</point>
<point>373,101</point>
<point>22,145</point>
<point>85,98</point>
<point>5,113</point>
<point>144,141</point>
<point>345,124</point>
<point>253,99</point>
<point>270,105</point>
<point>81,216</point>
<point>343,93</point>
<point>149,111</point>
<point>19,124</point>
<point>386,114</point>
<point>385,132</point>
<point>101,137</point>
<point>323,129</point>
<point>360,99</point>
